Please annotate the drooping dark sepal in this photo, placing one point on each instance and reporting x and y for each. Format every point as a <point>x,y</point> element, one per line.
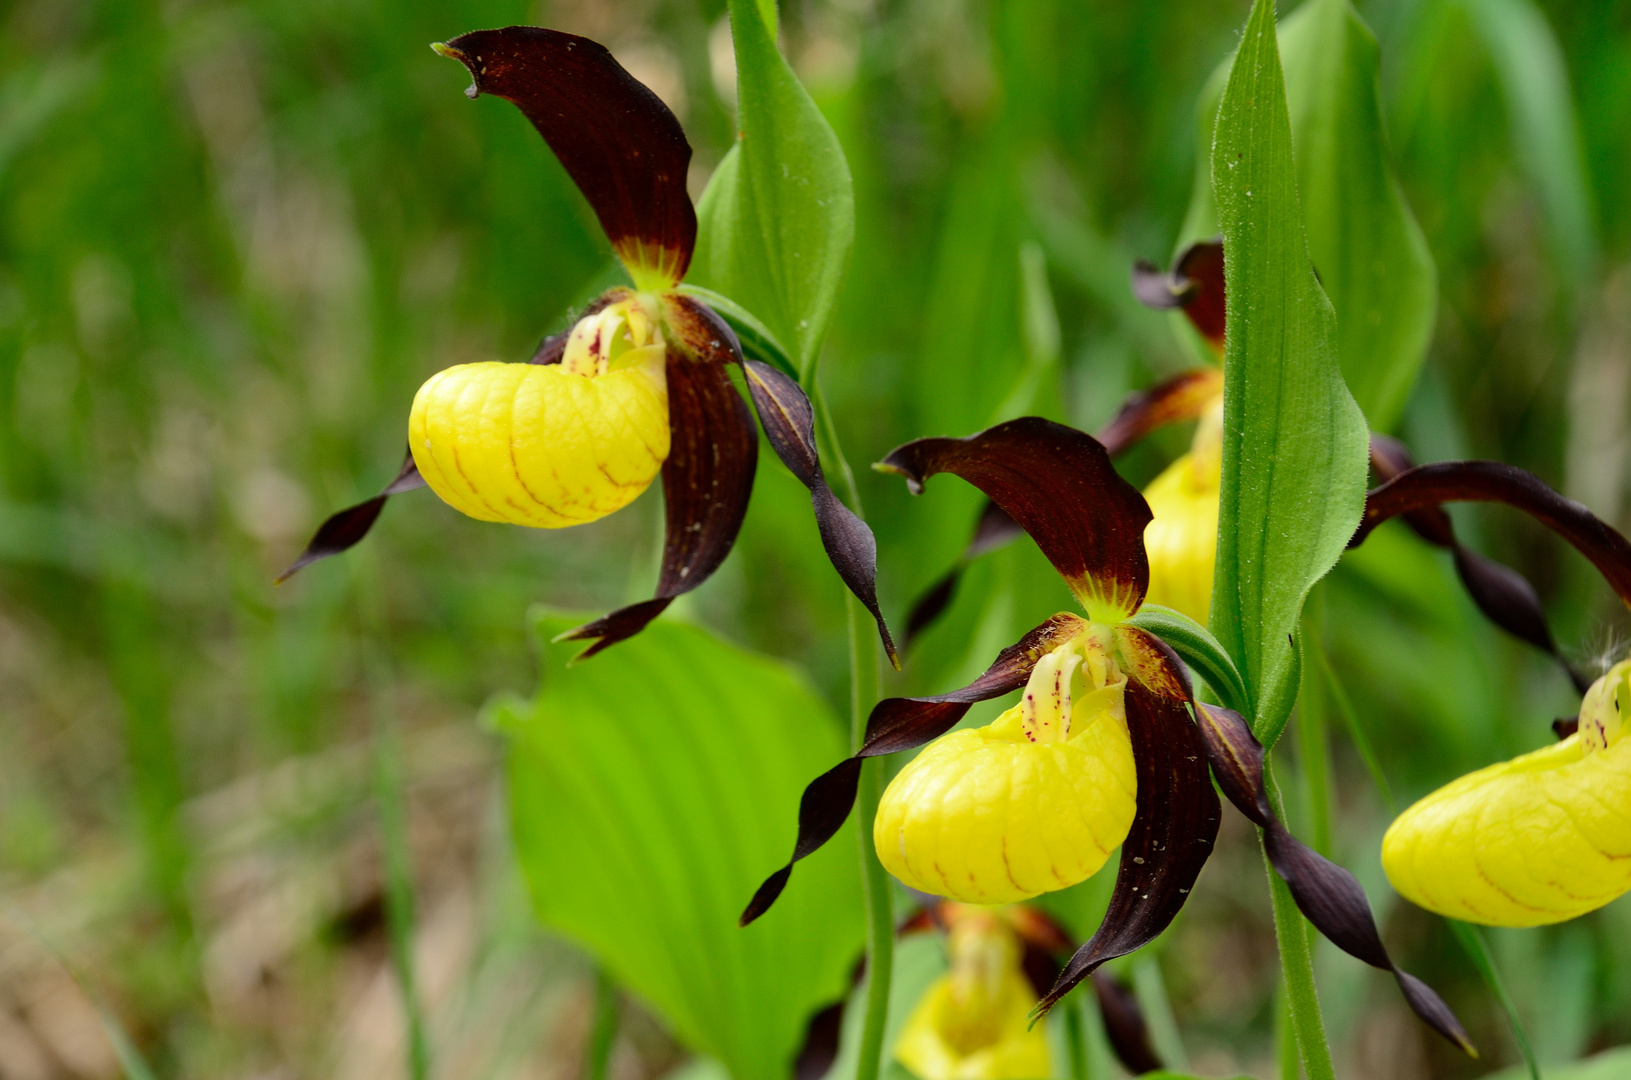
<point>1182,397</point>
<point>1124,1025</point>
<point>1194,284</point>
<point>1058,484</point>
<point>342,529</point>
<point>788,420</point>
<point>904,724</point>
<point>1505,596</point>
<point>616,139</point>
<point>707,479</point>
<point>1177,818</point>
<point>1328,895</point>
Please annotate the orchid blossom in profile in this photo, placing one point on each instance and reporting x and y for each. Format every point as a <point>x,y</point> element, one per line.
<point>640,385</point>
<point>1108,746</point>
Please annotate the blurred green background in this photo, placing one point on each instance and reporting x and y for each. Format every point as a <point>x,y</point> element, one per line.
<point>235,237</point>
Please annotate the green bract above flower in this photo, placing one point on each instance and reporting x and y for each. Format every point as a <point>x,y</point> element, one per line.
<point>639,385</point>
<point>1035,800</point>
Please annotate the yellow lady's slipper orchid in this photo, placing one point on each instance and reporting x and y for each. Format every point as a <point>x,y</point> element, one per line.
<point>973,1022</point>
<point>550,445</point>
<point>1182,539</point>
<point>1539,839</point>
<point>1032,802</point>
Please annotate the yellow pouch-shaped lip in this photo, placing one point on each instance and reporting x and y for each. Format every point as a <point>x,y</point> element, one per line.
<point>987,816</point>
<point>538,445</point>
<point>1182,538</point>
<point>1539,839</point>
<point>929,1043</point>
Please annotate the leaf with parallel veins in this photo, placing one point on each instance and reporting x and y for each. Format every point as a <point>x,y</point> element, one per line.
<point>1327,894</point>
<point>616,139</point>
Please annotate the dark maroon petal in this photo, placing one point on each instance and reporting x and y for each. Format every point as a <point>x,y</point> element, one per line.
<point>707,479</point>
<point>616,139</point>
<point>1177,818</point>
<point>993,530</point>
<point>1182,397</point>
<point>344,528</point>
<point>1058,484</point>
<point>1564,726</point>
<point>788,420</point>
<point>1328,895</point>
<point>815,1058</point>
<point>904,724</point>
<point>1124,1025</point>
<point>1195,285</point>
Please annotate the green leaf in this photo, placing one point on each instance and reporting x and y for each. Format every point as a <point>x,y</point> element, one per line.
<point>1295,443</point>
<point>1609,1065</point>
<point>650,789</point>
<point>1540,112</point>
<point>778,219</point>
<point>1365,244</point>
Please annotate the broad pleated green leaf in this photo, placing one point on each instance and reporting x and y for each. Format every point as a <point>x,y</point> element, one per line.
<point>778,219</point>
<point>650,790</point>
<point>1366,247</point>
<point>1295,443</point>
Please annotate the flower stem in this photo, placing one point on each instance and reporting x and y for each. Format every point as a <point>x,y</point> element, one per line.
<point>1297,962</point>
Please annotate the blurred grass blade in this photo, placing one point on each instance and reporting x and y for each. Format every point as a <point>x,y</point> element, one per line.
<point>1540,112</point>
<point>1296,445</point>
<point>1477,949</point>
<point>648,792</point>
<point>778,219</point>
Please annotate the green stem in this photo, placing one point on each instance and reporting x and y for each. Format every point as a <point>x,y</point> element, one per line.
<point>863,694</point>
<point>1289,1066</point>
<point>1297,962</point>
<point>1477,949</point>
<point>603,1033</point>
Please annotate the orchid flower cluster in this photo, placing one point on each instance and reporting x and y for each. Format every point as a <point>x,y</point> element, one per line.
<point>1109,746</point>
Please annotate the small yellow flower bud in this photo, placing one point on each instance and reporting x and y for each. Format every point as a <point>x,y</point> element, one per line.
<point>550,445</point>
<point>1539,839</point>
<point>1182,540</point>
<point>972,1023</point>
<point>1034,801</point>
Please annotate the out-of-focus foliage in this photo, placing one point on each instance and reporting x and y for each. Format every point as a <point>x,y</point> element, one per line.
<point>235,237</point>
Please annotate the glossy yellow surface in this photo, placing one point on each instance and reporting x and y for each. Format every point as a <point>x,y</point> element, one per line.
<point>549,445</point>
<point>1182,539</point>
<point>1025,805</point>
<point>1539,839</point>
<point>943,1041</point>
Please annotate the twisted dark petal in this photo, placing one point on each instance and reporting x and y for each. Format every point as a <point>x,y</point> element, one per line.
<point>788,420</point>
<point>1058,484</point>
<point>1195,285</point>
<point>1327,894</point>
<point>344,528</point>
<point>1177,818</point>
<point>713,450</point>
<point>1124,1025</point>
<point>815,1058</point>
<point>617,140</point>
<point>1182,397</point>
<point>1504,595</point>
<point>904,724</point>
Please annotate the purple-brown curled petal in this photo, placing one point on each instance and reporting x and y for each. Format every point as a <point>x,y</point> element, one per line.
<point>1182,397</point>
<point>1388,458</point>
<point>1124,1025</point>
<point>616,139</point>
<point>815,1058</point>
<point>1178,812</point>
<point>1195,285</point>
<point>1564,726</point>
<point>1058,484</point>
<point>1327,894</point>
<point>342,529</point>
<point>788,420</point>
<point>904,724</point>
<point>1492,481</point>
<point>707,479</point>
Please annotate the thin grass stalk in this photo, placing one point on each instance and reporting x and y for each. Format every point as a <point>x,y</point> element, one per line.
<point>603,1032</point>
<point>864,691</point>
<point>1288,1064</point>
<point>1297,961</point>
